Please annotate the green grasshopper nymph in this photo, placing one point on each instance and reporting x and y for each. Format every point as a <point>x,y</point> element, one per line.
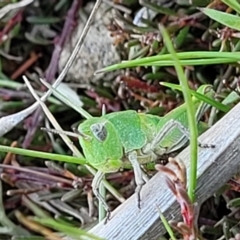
<point>114,140</point>
<point>139,138</point>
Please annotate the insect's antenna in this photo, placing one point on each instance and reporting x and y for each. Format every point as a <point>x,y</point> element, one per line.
<point>67,133</point>
<point>104,110</point>
<point>83,135</point>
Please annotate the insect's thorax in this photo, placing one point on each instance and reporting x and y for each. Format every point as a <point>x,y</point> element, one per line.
<point>128,126</point>
<point>150,125</point>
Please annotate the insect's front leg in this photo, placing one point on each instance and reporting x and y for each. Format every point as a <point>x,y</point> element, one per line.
<point>95,187</point>
<point>138,174</point>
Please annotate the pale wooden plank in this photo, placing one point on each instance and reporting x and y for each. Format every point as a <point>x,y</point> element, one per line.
<point>215,167</point>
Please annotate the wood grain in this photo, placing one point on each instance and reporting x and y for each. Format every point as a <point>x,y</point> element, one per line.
<point>216,166</point>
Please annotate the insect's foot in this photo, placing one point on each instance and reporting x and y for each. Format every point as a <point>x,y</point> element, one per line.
<point>108,215</point>
<point>139,201</point>
<point>203,145</point>
<point>138,190</point>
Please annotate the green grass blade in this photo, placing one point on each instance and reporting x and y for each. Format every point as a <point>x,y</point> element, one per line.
<point>200,96</point>
<point>44,155</point>
<point>234,4</point>
<point>75,232</point>
<point>189,62</point>
<point>232,97</point>
<point>190,113</point>
<point>217,57</point>
<point>43,20</point>
<point>166,225</point>
<point>158,9</point>
<point>226,19</point>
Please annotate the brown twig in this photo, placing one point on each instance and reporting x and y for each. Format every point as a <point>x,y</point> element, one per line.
<point>33,58</point>
<point>37,173</point>
<point>10,25</point>
<point>60,40</point>
<point>7,159</point>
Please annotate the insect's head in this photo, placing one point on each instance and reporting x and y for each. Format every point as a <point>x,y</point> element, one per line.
<point>100,143</point>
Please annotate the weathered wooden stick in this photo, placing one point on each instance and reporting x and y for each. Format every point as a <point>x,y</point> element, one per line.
<point>215,167</point>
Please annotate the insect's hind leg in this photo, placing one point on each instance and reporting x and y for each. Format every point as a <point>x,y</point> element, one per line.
<point>95,187</point>
<point>166,129</point>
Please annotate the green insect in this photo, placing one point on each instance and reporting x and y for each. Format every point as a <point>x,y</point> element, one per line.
<point>114,140</point>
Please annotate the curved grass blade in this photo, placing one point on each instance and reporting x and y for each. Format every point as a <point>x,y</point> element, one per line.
<point>77,233</point>
<point>226,19</point>
<point>190,113</point>
<point>189,62</point>
<point>234,4</point>
<point>200,96</point>
<point>217,57</point>
<point>166,225</point>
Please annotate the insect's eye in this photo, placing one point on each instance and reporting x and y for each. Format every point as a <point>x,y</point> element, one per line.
<point>99,131</point>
